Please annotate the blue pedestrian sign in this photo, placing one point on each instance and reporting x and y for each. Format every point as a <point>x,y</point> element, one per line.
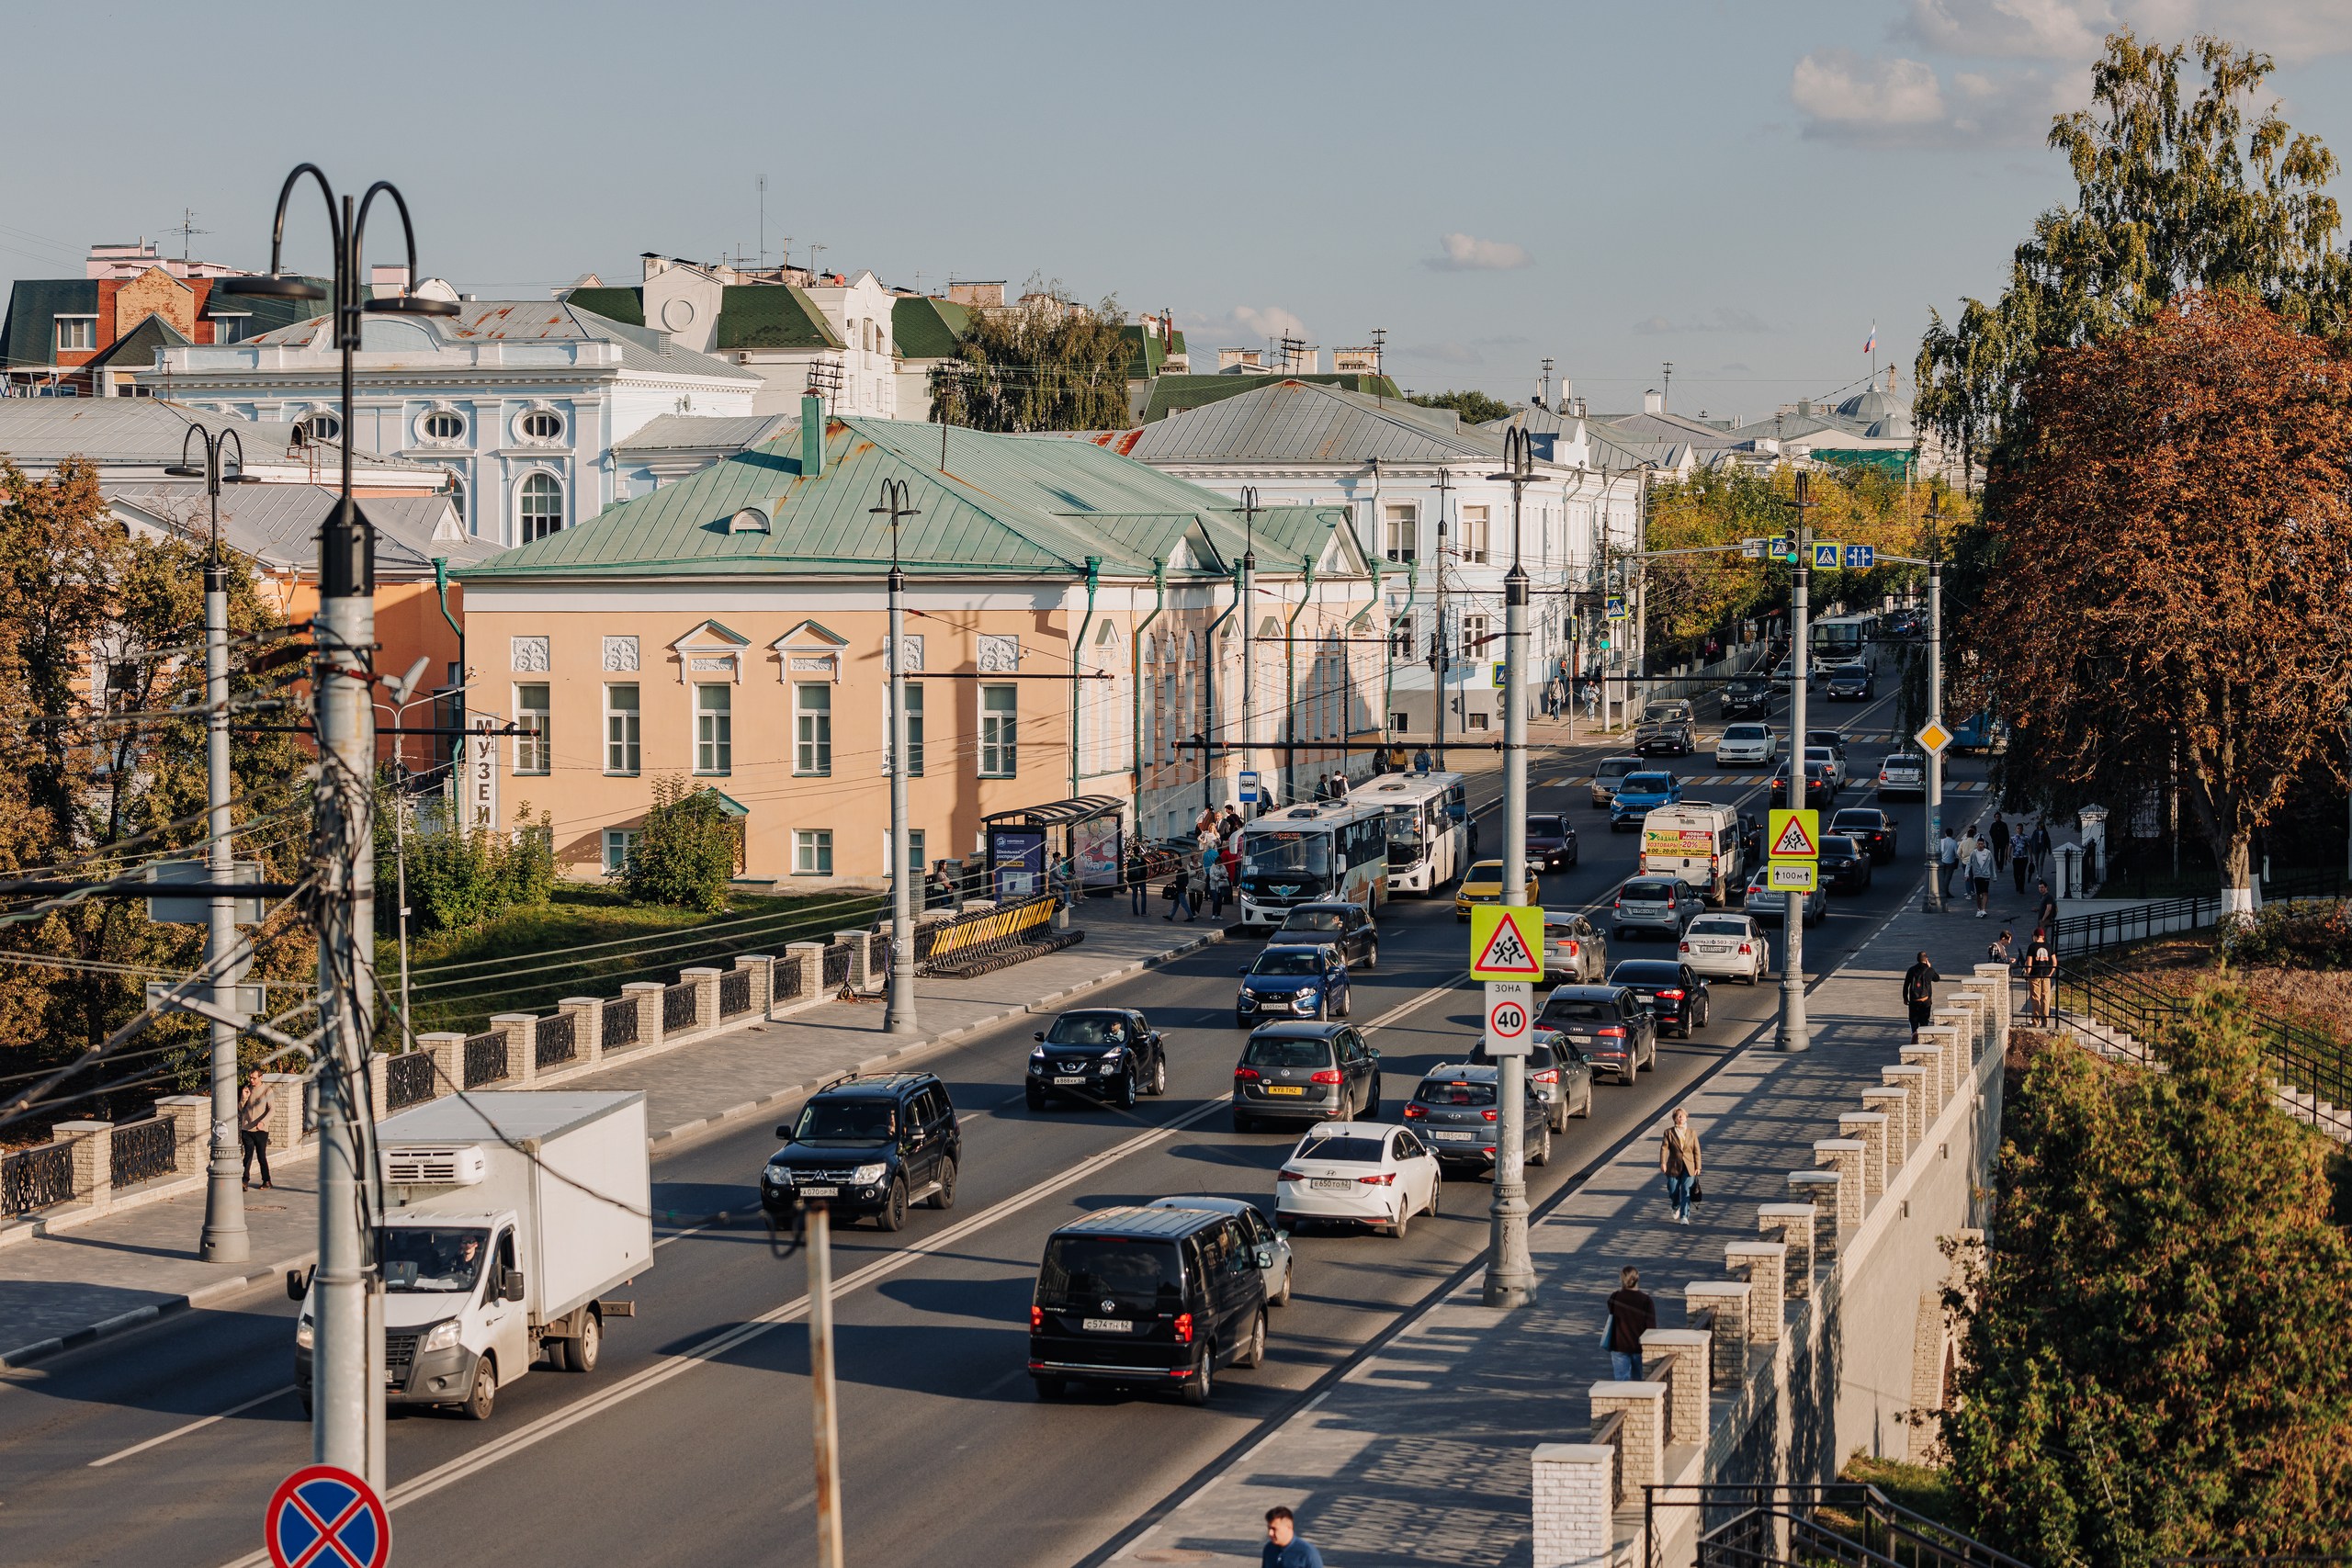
<point>1861,557</point>
<point>1825,557</point>
<point>1616,607</point>
<point>1778,546</point>
<point>1249,786</point>
<point>325,1518</point>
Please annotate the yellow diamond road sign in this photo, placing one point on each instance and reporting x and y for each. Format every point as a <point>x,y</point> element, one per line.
<point>1506,942</point>
<point>1795,835</point>
<point>1791,875</point>
<point>1933,736</point>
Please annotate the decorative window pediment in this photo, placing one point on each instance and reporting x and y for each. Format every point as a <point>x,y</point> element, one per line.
<point>809,649</point>
<point>709,650</point>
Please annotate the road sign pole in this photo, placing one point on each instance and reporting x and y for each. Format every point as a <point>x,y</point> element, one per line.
<point>1794,1034</point>
<point>224,1239</point>
<point>1510,1269</point>
<point>1934,794</point>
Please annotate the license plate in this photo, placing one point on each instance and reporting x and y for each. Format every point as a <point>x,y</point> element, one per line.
<point>1330,1184</point>
<point>1715,947</point>
<point>1457,1138</point>
<point>1285,1089</point>
<point>1107,1325</point>
<point>821,1191</point>
<point>1078,1079</point>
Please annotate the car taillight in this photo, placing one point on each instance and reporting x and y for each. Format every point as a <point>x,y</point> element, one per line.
<point>1611,1033</point>
<point>1574,949</point>
<point>1617,904</point>
<point>1290,1176</point>
<point>1247,1073</point>
<point>1682,947</point>
<point>1671,996</point>
<point>1414,1112</point>
<point>1549,1075</point>
<point>1183,1328</point>
<point>1036,1318</point>
<point>1384,1178</point>
<point>1746,947</point>
<point>1487,1115</point>
<point>1328,1075</point>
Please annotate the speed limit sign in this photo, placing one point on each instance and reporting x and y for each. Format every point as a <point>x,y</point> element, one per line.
<point>1510,1017</point>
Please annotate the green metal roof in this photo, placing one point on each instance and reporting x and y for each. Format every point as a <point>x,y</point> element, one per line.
<point>136,350</point>
<point>927,328</point>
<point>1174,394</point>
<point>624,305</point>
<point>772,315</point>
<point>1011,505</point>
<point>29,334</point>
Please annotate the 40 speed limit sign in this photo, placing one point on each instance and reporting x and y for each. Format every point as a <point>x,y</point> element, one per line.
<point>1510,1017</point>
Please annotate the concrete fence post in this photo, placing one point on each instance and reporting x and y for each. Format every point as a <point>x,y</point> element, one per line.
<point>1791,1225</point>
<point>1726,1299</point>
<point>1764,1265</point>
<point>1928,1057</point>
<point>447,1049</point>
<point>706,984</point>
<point>1868,1129</point>
<point>191,1117</point>
<point>1643,1447</point>
<point>587,1027</point>
<point>812,958</point>
<point>522,1046</point>
<point>1575,1499</point>
<point>93,1146</point>
<point>379,1086</point>
<point>284,1108</point>
<point>762,968</point>
<point>1996,979</point>
<point>1893,1103</point>
<point>1844,1156</point>
<point>1949,1049</point>
<point>646,996</point>
<point>1679,1357</point>
<point>1917,1094</point>
<point>1960,1017</point>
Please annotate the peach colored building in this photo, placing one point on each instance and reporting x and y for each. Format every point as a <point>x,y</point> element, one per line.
<point>1072,623</point>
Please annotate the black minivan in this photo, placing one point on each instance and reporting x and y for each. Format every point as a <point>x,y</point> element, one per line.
<point>1148,1297</point>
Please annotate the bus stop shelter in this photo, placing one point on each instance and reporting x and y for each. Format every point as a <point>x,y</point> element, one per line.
<point>1028,849</point>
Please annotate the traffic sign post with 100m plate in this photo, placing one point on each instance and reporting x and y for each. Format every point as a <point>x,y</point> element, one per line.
<point>1511,1018</point>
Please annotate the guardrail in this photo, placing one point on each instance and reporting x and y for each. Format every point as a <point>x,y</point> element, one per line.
<point>485,1058</point>
<point>144,1150</point>
<point>555,1040</point>
<point>2102,931</point>
<point>1787,1525</point>
<point>408,1080</point>
<point>834,971</point>
<point>35,1179</point>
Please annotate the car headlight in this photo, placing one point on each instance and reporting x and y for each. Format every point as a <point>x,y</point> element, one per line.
<point>867,1175</point>
<point>1038,1054</point>
<point>442,1336</point>
<point>303,1336</point>
<point>1248,995</point>
<point>1306,994</point>
<point>778,1175</point>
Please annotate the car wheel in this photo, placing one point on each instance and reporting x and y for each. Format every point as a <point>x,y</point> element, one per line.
<point>894,1207</point>
<point>1398,1226</point>
<point>1253,1350</point>
<point>1586,1109</point>
<point>1290,1277</point>
<point>1348,1004</point>
<point>1372,956</point>
<point>1244,1123</point>
<point>1371,1101</point>
<point>1159,1074</point>
<point>1035,1096</point>
<point>1201,1383</point>
<point>945,1199</point>
<point>1557,1119</point>
<point>579,1354</point>
<point>1126,1100</point>
<point>1542,1154</point>
<point>1437,1188</point>
<point>1706,1011</point>
<point>483,1396</point>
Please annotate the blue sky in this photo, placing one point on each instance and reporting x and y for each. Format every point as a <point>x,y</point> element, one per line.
<point>1740,190</point>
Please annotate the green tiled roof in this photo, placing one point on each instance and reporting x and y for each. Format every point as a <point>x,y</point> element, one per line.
<point>925,328</point>
<point>29,334</point>
<point>772,315</point>
<point>624,305</point>
<point>1011,505</point>
<point>136,351</point>
<point>1174,394</point>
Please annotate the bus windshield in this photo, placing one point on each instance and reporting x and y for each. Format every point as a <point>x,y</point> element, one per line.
<point>1286,855</point>
<point>1407,843</point>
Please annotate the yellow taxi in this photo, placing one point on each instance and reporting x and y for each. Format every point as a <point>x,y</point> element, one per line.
<point>1482,884</point>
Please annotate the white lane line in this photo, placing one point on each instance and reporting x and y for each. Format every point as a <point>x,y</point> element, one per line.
<point>720,1343</point>
<point>191,1426</point>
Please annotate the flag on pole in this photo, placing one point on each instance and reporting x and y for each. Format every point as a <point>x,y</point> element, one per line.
<point>1871,346</point>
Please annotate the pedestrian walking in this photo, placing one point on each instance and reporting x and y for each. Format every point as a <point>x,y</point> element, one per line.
<point>2045,913</point>
<point>252,1125</point>
<point>1632,1314</point>
<point>1422,759</point>
<point>1947,858</point>
<point>1919,994</point>
<point>1230,824</point>
<point>2003,949</point>
<point>1979,874</point>
<point>2040,841</point>
<point>2022,861</point>
<point>1178,891</point>
<point>1138,878</point>
<point>943,888</point>
<point>1213,879</point>
<point>2041,979</point>
<point>1286,1548</point>
<point>1678,1155</point>
<point>2000,842</point>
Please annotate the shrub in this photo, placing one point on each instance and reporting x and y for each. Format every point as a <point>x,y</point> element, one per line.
<point>457,876</point>
<point>684,853</point>
<point>2290,936</point>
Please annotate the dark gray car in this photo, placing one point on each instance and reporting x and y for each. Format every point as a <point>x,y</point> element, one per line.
<point>1305,1072</point>
<point>1455,1109</point>
<point>1608,1024</point>
<point>1654,905</point>
<point>1558,1073</point>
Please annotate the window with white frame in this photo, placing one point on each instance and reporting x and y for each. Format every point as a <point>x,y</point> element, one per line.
<point>622,750</point>
<point>812,729</point>
<point>713,729</point>
<point>914,729</point>
<point>1474,639</point>
<point>1473,534</point>
<point>441,424</point>
<point>1401,526</point>
<point>999,731</point>
<point>323,426</point>
<point>1475,720</point>
<point>542,426</point>
<point>458,500</point>
<point>531,718</point>
<point>542,507</point>
<point>76,333</point>
<point>1400,722</point>
<point>619,844</point>
<point>812,852</point>
<point>914,857</point>
<point>1400,637</point>
<point>233,326</point>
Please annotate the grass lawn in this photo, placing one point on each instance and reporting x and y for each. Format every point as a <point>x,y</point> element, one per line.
<point>1913,1486</point>
<point>586,940</point>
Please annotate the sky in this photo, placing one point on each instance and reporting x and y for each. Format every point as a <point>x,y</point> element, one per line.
<point>1741,190</point>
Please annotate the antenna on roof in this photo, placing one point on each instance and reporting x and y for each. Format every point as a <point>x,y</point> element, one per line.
<point>1667,388</point>
<point>764,222</point>
<point>185,228</point>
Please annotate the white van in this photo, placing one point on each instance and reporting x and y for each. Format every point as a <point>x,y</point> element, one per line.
<point>1696,842</point>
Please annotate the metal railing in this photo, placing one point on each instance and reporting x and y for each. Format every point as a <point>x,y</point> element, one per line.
<point>784,980</point>
<point>485,1059</point>
<point>144,1150</point>
<point>1783,1525</point>
<point>678,1007</point>
<point>835,971</point>
<point>2103,931</point>
<point>556,1040</point>
<point>988,939</point>
<point>1609,1432</point>
<point>619,1026</point>
<point>734,992</point>
<point>408,1080</point>
<point>36,1178</point>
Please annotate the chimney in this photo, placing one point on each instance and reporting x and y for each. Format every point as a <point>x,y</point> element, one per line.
<point>387,280</point>
<point>813,436</point>
<point>1653,402</point>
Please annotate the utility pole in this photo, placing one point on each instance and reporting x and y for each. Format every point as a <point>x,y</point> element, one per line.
<point>1934,769</point>
<point>1511,1271</point>
<point>898,1012</point>
<point>1248,603</point>
<point>827,1431</point>
<point>1440,650</point>
<point>1795,1032</point>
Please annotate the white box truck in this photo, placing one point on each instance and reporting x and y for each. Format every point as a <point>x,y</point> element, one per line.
<point>1698,844</point>
<point>508,1217</point>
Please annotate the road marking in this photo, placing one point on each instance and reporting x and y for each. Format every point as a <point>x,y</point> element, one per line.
<point>720,1343</point>
<point>191,1426</point>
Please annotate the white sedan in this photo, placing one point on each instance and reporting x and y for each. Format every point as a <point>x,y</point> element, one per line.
<point>1753,744</point>
<point>1726,946</point>
<point>1358,1173</point>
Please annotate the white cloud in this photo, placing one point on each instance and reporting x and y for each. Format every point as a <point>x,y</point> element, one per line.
<point>2075,31</point>
<point>1245,325</point>
<point>1467,252</point>
<point>1900,102</point>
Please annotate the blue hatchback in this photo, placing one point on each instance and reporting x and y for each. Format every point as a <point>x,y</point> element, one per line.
<point>1640,795</point>
<point>1293,982</point>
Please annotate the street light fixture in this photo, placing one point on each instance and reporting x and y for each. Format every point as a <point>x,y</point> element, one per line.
<point>898,1012</point>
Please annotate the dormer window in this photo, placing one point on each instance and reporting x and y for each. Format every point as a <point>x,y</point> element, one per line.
<point>749,520</point>
<point>322,426</point>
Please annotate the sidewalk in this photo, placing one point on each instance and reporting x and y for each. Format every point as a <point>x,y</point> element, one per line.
<point>1421,1454</point>
<point>114,1273</point>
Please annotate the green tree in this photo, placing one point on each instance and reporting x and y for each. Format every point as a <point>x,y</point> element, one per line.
<point>1474,407</point>
<point>459,876</point>
<point>685,851</point>
<point>1046,364</point>
<point>2154,1363</point>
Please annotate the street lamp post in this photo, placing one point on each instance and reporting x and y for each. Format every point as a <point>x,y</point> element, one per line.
<point>1511,1271</point>
<point>348,1428</point>
<point>224,1239</point>
<point>1248,601</point>
<point>898,1012</point>
<point>1934,769</point>
<point>1795,1032</point>
<point>1441,651</point>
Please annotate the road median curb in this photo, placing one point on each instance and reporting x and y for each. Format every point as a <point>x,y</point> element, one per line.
<point>105,1328</point>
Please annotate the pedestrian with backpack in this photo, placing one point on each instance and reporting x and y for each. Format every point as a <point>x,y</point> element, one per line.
<point>1919,994</point>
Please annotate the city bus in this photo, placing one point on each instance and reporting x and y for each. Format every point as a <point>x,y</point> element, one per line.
<point>1300,855</point>
<point>1843,637</point>
<point>1429,833</point>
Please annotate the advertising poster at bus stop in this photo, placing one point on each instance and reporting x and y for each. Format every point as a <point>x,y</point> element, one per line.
<point>1095,846</point>
<point>1017,861</point>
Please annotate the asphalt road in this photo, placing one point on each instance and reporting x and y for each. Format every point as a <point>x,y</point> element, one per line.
<point>691,1443</point>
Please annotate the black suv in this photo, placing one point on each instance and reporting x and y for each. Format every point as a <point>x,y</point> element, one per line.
<point>1148,1296</point>
<point>1306,1072</point>
<point>1675,994</point>
<point>1098,1054</point>
<point>867,1148</point>
<point>1747,696</point>
<point>1608,1024</point>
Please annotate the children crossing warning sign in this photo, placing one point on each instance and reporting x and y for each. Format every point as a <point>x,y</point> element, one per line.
<point>1506,942</point>
<point>1795,835</point>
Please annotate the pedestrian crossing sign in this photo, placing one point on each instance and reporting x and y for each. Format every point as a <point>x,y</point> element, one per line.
<point>1502,675</point>
<point>1506,942</point>
<point>1795,835</point>
<point>1825,555</point>
<point>1616,610</point>
<point>1778,545</point>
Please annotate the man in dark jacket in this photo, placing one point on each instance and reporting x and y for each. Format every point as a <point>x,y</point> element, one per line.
<point>1286,1548</point>
<point>1919,994</point>
<point>2000,841</point>
<point>1632,1314</point>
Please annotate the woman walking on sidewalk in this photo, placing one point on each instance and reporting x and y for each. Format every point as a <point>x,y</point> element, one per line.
<point>1979,874</point>
<point>1678,1155</point>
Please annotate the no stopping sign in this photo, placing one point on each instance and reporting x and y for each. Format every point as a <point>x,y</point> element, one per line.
<point>1510,1017</point>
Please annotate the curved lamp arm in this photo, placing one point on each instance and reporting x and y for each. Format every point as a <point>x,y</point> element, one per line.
<point>406,302</point>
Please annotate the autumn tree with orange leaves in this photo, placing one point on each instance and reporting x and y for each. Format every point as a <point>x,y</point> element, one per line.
<point>2176,570</point>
